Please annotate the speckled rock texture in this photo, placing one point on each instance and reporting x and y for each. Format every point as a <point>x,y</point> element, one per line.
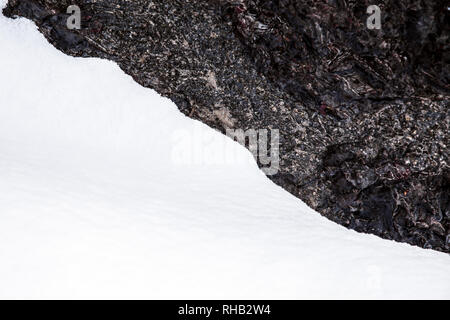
<point>363,114</point>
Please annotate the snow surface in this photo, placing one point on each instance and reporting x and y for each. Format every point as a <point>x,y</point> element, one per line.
<point>95,201</point>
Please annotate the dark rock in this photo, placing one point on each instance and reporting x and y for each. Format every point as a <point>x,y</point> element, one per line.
<point>363,114</point>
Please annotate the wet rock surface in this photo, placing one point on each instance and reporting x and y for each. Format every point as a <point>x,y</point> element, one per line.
<point>363,114</point>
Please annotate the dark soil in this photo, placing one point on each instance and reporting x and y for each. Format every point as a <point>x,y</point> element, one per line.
<point>363,114</point>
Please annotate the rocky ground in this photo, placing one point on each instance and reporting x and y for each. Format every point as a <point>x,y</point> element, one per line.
<point>363,114</point>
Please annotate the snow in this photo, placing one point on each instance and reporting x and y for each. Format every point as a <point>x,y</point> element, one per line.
<point>95,201</point>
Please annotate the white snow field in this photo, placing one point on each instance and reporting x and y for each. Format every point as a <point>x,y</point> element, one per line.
<point>94,203</point>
